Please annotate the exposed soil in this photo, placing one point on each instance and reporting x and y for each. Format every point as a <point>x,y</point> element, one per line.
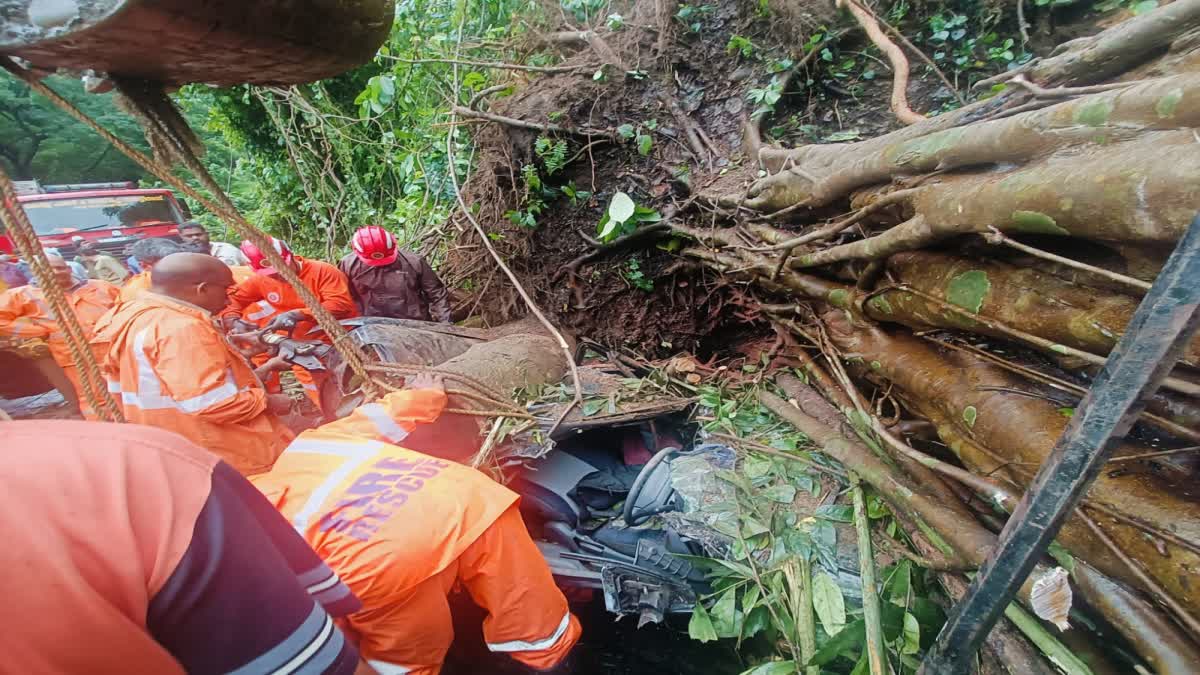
<point>697,82</point>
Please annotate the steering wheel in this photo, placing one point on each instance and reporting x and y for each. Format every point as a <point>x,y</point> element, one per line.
<point>631,514</point>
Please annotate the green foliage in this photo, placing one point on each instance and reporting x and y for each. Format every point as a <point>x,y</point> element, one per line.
<point>968,49</point>
<point>552,152</point>
<point>633,274</point>
<point>38,141</point>
<point>741,45</point>
<point>314,162</point>
<point>623,216</point>
<point>774,545</point>
<point>693,16</point>
<point>640,135</point>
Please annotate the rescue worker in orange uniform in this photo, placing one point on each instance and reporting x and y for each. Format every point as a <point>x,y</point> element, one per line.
<point>25,314</point>
<point>280,306</point>
<point>173,368</point>
<point>402,529</point>
<point>147,252</point>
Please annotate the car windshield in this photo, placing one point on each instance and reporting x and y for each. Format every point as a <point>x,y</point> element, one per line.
<point>67,215</point>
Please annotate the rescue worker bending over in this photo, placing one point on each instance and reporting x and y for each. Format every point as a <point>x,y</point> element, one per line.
<point>280,306</point>
<point>147,253</point>
<point>386,281</point>
<point>402,529</point>
<point>173,368</point>
<point>25,315</point>
<point>129,550</point>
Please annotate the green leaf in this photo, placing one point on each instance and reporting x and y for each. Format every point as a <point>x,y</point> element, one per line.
<point>912,635</point>
<point>725,615</point>
<point>899,583</point>
<point>644,144</point>
<point>752,527</point>
<point>625,131</point>
<point>876,508</point>
<point>849,639</point>
<point>828,603</point>
<point>621,208</point>
<point>773,668</point>
<point>756,467</point>
<point>836,512</point>
<point>757,620</point>
<point>700,628</point>
<point>608,228</point>
<point>1145,6</point>
<point>784,494</point>
<point>593,406</point>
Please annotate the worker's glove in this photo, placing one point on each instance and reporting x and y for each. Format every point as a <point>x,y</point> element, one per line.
<point>286,321</point>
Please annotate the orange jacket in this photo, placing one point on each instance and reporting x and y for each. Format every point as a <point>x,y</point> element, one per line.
<point>273,293</point>
<point>173,368</point>
<point>135,284</point>
<point>384,517</point>
<point>24,313</point>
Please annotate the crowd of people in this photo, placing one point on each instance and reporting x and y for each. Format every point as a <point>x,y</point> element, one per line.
<point>204,514</point>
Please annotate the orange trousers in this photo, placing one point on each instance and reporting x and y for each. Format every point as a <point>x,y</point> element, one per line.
<point>505,574</point>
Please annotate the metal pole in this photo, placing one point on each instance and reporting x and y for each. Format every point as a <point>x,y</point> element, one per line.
<point>1161,327</point>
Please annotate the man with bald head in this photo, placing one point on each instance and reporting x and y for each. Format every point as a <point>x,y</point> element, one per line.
<point>172,366</point>
<point>25,318</point>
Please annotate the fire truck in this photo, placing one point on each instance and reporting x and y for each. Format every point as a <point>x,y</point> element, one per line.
<point>110,215</point>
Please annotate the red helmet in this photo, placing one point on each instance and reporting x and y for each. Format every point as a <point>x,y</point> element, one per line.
<point>374,245</point>
<point>259,261</point>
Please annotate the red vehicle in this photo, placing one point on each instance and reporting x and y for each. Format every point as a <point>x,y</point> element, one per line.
<point>110,215</point>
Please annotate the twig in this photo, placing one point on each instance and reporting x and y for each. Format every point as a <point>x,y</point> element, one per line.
<point>473,104</point>
<point>921,55</point>
<point>997,237</point>
<point>459,111</point>
<point>1063,385</point>
<point>1152,455</point>
<point>895,55</point>
<point>1067,92</point>
<point>824,233</point>
<point>1021,25</point>
<point>1173,383</point>
<point>1058,653</point>
<point>622,242</point>
<point>501,66</point>
<point>876,654</point>
<point>768,450</point>
<point>802,609</point>
<point>1160,594</point>
<point>487,243</point>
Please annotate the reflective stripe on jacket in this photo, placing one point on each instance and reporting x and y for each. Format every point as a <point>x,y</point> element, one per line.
<point>172,368</point>
<point>384,517</point>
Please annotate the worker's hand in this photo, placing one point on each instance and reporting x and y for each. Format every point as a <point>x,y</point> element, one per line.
<point>286,321</point>
<point>279,404</point>
<point>426,381</point>
<point>275,363</point>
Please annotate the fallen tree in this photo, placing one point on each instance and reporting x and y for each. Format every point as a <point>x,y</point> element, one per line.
<point>972,269</point>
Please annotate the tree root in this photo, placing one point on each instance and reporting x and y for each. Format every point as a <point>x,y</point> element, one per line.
<point>895,55</point>
<point>942,388</point>
<point>637,237</point>
<point>1151,198</point>
<point>1119,48</point>
<point>817,175</point>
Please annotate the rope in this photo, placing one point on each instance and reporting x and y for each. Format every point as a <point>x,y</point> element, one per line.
<point>16,222</point>
<point>224,208</point>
